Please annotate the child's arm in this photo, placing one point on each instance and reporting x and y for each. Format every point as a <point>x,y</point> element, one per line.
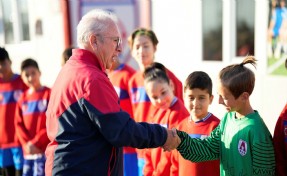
<point>280,144</point>
<point>198,150</point>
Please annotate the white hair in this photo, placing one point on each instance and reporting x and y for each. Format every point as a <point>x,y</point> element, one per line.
<point>96,21</point>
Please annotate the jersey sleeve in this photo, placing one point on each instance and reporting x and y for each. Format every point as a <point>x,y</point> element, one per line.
<point>174,163</point>
<point>148,167</point>
<point>21,131</point>
<point>280,143</point>
<point>41,139</point>
<point>263,159</point>
<point>198,150</point>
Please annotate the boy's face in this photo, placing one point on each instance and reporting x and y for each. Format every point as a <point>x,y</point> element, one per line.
<point>227,99</point>
<point>31,77</point>
<point>160,93</point>
<point>197,101</point>
<point>5,68</point>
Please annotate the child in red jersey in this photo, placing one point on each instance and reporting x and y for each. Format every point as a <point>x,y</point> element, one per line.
<point>280,141</point>
<point>11,87</point>
<point>170,111</point>
<point>197,98</point>
<point>143,45</point>
<point>31,119</point>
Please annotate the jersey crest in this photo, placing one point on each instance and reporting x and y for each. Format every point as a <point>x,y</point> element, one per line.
<point>42,105</point>
<point>17,94</point>
<point>242,147</point>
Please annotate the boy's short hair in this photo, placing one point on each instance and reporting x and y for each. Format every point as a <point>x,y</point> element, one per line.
<point>29,62</point>
<point>3,54</point>
<point>67,53</point>
<point>200,80</point>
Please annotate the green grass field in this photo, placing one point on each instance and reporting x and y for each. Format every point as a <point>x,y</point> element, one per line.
<point>281,70</point>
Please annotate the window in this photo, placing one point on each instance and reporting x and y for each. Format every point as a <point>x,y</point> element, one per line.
<point>245,21</point>
<point>212,29</point>
<point>15,21</point>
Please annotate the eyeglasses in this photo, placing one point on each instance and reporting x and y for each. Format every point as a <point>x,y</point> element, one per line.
<point>118,40</point>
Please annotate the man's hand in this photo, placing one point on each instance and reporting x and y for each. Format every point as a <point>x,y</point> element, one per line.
<point>172,140</point>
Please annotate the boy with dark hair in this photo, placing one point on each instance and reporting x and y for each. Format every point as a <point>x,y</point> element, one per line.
<point>197,98</point>
<point>11,87</point>
<point>31,119</point>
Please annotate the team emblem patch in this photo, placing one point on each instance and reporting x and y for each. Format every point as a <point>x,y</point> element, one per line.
<point>42,105</point>
<point>17,94</point>
<point>242,147</point>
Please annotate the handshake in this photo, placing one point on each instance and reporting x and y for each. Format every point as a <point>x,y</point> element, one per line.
<point>172,141</point>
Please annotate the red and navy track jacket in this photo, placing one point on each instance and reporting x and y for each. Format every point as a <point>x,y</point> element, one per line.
<point>85,124</point>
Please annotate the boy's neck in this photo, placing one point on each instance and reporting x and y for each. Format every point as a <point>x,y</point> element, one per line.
<point>35,88</point>
<point>244,112</point>
<point>8,77</point>
<point>197,119</point>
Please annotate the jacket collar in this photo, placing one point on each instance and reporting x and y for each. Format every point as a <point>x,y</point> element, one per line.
<point>87,57</point>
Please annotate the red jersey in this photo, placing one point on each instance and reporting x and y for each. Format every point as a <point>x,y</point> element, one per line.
<point>9,94</point>
<point>201,130</point>
<point>280,143</point>
<point>158,162</point>
<point>120,78</point>
<point>31,118</point>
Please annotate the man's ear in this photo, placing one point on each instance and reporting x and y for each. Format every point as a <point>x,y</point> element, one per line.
<point>93,40</point>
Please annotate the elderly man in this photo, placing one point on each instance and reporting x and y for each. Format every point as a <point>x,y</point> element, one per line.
<point>85,124</point>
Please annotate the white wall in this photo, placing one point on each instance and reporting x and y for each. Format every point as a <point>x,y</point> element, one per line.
<point>47,48</point>
<point>178,27</point>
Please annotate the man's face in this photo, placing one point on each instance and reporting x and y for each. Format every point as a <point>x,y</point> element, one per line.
<point>109,46</point>
<point>5,68</point>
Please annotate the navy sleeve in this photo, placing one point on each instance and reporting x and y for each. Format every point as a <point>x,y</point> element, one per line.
<point>121,130</point>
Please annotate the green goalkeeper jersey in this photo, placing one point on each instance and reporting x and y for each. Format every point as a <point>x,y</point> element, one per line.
<point>244,146</point>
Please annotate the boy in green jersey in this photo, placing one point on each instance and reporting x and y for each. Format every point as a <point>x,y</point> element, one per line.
<point>242,141</point>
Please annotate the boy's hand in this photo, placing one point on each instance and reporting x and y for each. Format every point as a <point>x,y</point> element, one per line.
<point>32,149</point>
<point>172,140</point>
